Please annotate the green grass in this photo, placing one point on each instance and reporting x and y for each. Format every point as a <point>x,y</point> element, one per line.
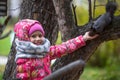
<point>5,46</point>
<point>93,73</point>
<point>1,76</point>
<point>1,71</point>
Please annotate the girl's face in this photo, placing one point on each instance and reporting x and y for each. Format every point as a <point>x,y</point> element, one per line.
<point>37,38</point>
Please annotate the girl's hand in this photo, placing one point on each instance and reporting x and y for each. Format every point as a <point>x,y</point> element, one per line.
<point>86,36</point>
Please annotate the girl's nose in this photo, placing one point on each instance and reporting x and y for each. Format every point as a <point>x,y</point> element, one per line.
<point>37,38</point>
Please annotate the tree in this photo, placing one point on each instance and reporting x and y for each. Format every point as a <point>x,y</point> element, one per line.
<point>56,15</point>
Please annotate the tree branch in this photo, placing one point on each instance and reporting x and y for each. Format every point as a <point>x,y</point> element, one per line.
<point>66,70</point>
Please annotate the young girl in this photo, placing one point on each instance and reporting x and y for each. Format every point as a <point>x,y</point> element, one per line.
<point>34,53</point>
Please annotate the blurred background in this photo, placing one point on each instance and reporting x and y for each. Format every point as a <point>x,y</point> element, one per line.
<point>103,65</point>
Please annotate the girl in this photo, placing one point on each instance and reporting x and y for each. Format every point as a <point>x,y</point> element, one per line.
<point>34,53</point>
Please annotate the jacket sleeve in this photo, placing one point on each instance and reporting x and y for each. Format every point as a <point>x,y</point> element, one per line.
<point>69,46</point>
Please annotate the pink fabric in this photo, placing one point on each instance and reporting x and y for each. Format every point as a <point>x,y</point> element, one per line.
<point>32,69</point>
<point>36,27</point>
<point>22,28</point>
<point>37,69</point>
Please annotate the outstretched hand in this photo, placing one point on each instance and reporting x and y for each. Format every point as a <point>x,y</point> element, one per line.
<point>86,36</point>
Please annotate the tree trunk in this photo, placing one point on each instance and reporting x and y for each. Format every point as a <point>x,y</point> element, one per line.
<point>54,15</point>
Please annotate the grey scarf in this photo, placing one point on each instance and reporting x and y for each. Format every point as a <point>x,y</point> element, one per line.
<point>26,49</point>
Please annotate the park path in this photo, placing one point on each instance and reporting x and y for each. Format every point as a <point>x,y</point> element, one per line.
<point>3,60</point>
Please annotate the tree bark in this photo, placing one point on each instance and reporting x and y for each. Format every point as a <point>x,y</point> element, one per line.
<point>54,15</point>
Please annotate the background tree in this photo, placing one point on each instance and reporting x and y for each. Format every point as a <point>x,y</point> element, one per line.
<point>56,15</point>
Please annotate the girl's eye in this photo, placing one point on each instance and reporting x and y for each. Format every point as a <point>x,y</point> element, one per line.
<point>40,35</point>
<point>33,36</point>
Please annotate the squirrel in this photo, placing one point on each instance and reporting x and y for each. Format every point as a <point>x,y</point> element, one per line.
<point>104,20</point>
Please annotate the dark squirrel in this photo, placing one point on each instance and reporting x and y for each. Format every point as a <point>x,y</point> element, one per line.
<point>104,20</point>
